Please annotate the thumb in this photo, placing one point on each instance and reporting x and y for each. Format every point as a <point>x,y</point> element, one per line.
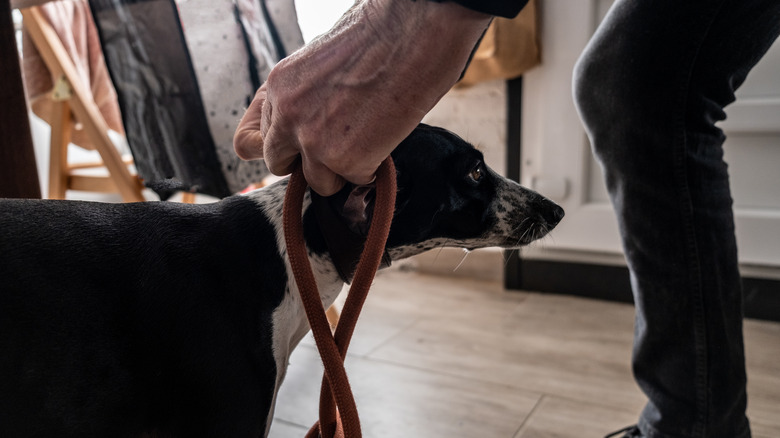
<point>248,140</point>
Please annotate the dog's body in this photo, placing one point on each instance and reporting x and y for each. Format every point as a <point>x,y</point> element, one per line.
<point>162,319</point>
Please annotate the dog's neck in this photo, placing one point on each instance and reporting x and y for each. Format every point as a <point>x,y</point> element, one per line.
<point>271,201</point>
<point>344,245</point>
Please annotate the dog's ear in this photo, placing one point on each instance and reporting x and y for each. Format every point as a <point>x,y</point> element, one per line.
<point>344,220</point>
<point>358,208</point>
<point>351,208</point>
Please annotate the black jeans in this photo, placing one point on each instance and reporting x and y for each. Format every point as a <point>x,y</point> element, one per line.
<point>649,87</point>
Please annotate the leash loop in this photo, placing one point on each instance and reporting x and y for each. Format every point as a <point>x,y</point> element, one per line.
<point>338,411</point>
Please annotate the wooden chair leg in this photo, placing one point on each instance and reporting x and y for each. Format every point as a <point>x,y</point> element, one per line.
<point>58,150</point>
<point>188,197</point>
<point>333,315</point>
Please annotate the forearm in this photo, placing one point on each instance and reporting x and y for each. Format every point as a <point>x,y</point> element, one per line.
<point>430,40</point>
<point>424,42</point>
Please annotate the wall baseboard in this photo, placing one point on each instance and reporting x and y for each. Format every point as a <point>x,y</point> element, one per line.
<point>762,296</point>
<point>589,280</point>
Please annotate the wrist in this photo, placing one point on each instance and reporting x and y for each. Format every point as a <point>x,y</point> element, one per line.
<point>426,33</point>
<point>425,19</point>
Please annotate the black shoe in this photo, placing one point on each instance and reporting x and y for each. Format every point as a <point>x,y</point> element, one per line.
<point>627,432</point>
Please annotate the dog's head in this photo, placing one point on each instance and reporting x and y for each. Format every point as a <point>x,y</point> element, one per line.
<point>448,196</point>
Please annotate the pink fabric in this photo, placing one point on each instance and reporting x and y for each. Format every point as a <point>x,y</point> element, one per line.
<point>72,21</point>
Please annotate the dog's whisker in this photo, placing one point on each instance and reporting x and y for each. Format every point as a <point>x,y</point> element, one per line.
<point>520,226</point>
<point>441,248</point>
<point>524,235</point>
<point>435,258</point>
<point>509,256</point>
<point>465,254</point>
<point>433,218</point>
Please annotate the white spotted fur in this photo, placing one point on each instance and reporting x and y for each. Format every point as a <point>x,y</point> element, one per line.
<point>289,320</point>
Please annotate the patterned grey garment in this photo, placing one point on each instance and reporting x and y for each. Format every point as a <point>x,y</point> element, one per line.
<point>222,65</point>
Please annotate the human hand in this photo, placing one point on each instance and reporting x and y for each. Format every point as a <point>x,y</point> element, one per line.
<point>347,99</point>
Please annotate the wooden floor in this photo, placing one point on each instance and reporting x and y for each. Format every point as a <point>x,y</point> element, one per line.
<point>441,357</point>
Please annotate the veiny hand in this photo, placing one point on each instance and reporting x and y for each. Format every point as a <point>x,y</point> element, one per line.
<point>347,99</point>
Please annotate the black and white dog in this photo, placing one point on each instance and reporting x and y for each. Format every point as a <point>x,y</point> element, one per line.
<point>161,319</point>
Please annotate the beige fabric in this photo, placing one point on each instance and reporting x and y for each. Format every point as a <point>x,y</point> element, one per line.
<point>509,48</point>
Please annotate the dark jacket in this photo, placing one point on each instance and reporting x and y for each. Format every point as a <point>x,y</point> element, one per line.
<point>501,8</point>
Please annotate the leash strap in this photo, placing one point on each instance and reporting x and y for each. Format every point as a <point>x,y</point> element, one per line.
<point>338,412</point>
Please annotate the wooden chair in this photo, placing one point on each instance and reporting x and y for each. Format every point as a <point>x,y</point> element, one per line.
<point>72,102</point>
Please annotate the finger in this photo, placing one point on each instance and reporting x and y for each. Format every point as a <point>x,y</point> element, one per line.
<point>321,179</point>
<point>359,172</point>
<point>248,140</point>
<point>362,179</point>
<point>280,151</point>
<point>355,165</point>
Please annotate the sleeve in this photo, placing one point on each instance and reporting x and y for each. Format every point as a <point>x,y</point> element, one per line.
<point>500,8</point>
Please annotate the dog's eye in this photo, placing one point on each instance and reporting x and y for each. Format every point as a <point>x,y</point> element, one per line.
<point>477,173</point>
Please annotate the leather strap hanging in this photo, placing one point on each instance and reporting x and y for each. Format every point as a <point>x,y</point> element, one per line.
<point>338,412</point>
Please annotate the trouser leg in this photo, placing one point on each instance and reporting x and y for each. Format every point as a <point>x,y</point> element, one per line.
<point>650,86</point>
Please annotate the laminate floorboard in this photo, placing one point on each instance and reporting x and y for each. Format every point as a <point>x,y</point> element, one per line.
<point>434,357</point>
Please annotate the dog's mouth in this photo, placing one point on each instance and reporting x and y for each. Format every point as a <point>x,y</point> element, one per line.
<point>528,235</point>
<point>533,228</point>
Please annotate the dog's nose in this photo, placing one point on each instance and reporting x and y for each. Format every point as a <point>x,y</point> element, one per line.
<point>553,214</point>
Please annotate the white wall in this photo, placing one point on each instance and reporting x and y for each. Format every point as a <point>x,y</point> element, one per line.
<point>478,114</point>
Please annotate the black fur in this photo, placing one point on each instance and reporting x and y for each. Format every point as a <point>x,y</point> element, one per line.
<point>119,319</point>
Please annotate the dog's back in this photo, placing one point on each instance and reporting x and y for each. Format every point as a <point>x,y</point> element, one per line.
<point>125,312</point>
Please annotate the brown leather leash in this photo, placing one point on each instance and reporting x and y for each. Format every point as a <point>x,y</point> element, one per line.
<point>338,411</point>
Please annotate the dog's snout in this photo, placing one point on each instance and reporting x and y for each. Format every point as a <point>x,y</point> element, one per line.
<point>548,212</point>
<point>554,214</point>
